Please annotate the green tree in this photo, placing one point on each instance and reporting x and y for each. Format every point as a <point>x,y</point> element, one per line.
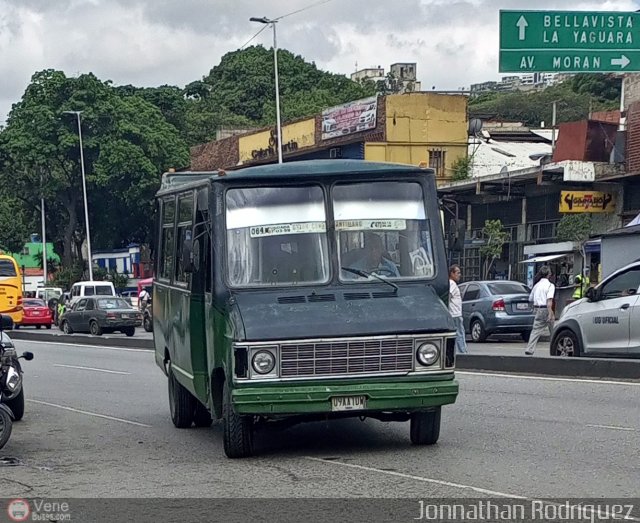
<point>15,223</point>
<point>462,167</point>
<point>127,143</point>
<point>120,281</point>
<point>495,237</point>
<point>575,99</point>
<point>575,228</point>
<point>240,91</point>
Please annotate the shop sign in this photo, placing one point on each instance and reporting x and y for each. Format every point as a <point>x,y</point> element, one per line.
<point>349,118</point>
<point>587,201</point>
<point>264,145</point>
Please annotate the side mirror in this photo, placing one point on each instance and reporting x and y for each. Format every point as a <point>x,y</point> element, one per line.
<point>28,356</point>
<point>591,294</point>
<point>6,322</point>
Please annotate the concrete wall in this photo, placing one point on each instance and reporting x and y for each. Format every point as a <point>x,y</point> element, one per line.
<point>418,122</point>
<point>618,251</point>
<point>631,86</point>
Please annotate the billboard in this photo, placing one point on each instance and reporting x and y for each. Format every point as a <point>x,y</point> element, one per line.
<point>587,201</point>
<point>349,118</point>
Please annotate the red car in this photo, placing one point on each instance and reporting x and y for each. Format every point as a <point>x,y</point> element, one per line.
<point>36,313</point>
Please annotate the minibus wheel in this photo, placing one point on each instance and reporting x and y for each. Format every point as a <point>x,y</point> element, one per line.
<point>425,427</point>
<point>238,430</point>
<point>181,403</point>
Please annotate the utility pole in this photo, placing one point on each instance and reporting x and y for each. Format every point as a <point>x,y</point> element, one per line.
<point>84,191</point>
<point>272,23</point>
<point>553,126</point>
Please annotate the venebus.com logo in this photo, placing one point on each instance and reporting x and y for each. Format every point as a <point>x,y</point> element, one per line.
<point>38,510</point>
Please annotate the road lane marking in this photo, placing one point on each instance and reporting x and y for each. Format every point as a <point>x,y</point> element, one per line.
<point>94,414</point>
<point>91,368</point>
<point>613,427</point>
<point>586,510</point>
<point>547,378</point>
<point>419,478</point>
<point>74,345</point>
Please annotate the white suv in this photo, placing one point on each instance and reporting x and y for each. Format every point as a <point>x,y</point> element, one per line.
<point>604,323</point>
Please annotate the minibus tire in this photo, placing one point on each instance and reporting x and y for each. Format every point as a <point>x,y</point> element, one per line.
<point>181,403</point>
<point>425,427</point>
<point>16,405</point>
<point>238,430</point>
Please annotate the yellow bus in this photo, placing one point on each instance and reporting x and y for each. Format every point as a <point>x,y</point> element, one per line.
<point>10,289</point>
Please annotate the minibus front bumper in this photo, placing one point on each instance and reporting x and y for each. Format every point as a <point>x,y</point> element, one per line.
<point>405,394</point>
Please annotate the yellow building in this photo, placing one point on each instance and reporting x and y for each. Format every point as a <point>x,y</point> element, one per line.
<point>411,128</point>
<point>423,127</point>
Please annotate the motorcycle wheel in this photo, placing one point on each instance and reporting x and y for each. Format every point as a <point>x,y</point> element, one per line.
<point>17,406</point>
<point>5,427</point>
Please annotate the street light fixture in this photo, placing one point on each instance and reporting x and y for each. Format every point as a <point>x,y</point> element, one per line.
<point>272,23</point>
<point>84,191</point>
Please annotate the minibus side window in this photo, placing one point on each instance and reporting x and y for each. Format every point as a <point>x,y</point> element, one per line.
<point>167,243</point>
<point>184,232</point>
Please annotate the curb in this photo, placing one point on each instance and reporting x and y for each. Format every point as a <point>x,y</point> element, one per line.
<point>628,369</point>
<point>81,339</point>
<point>552,366</point>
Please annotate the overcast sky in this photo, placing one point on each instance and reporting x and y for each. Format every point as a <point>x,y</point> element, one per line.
<point>155,42</point>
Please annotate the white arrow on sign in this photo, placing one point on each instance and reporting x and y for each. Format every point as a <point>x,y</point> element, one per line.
<point>522,25</point>
<point>623,61</point>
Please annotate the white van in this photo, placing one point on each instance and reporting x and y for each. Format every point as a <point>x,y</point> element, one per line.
<point>83,289</point>
<point>47,293</point>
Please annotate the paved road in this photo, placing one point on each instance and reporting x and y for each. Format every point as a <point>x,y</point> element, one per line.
<point>97,424</point>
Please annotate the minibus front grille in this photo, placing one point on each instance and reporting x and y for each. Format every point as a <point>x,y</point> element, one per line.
<point>347,357</point>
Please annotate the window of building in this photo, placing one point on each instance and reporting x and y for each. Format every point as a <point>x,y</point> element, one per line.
<point>167,246</point>
<point>436,161</point>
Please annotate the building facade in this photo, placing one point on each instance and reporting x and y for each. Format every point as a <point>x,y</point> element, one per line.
<point>412,128</point>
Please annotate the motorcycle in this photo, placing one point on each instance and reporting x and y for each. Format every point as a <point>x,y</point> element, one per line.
<point>147,315</point>
<point>11,390</point>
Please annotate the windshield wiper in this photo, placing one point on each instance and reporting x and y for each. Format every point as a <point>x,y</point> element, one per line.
<point>366,274</point>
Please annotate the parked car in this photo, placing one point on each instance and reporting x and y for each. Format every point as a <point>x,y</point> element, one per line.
<point>496,307</point>
<point>606,322</point>
<point>37,313</point>
<point>101,314</point>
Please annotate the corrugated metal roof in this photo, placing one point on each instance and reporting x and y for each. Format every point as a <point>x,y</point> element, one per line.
<point>490,157</point>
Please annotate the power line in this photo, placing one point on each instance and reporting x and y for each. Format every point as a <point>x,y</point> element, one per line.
<point>253,37</point>
<point>304,9</point>
<point>285,16</point>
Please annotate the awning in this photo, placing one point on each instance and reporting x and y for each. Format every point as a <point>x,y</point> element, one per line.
<point>545,258</point>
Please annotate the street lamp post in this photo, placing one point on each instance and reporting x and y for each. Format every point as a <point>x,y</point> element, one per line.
<point>272,23</point>
<point>44,234</point>
<point>84,191</point>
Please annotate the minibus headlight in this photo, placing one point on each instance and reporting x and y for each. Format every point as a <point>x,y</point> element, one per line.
<point>263,362</point>
<point>427,354</point>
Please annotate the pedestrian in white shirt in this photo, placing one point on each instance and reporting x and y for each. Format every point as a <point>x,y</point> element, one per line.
<point>455,308</point>
<point>542,298</point>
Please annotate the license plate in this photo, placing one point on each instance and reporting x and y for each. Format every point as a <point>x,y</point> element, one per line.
<point>36,313</point>
<point>343,403</point>
<point>522,306</point>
